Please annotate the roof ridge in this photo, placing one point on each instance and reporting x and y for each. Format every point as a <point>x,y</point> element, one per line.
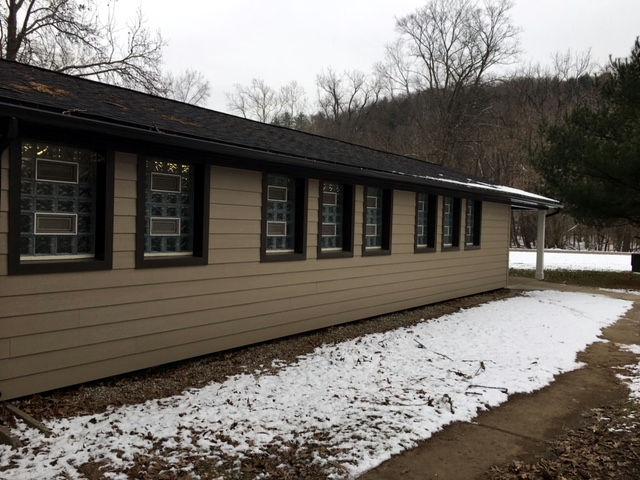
<point>269,125</point>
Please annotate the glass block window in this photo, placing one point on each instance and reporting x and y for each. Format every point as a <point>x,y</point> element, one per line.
<point>281,214</point>
<point>373,218</point>
<point>58,190</point>
<point>331,234</point>
<point>425,221</point>
<point>472,223</point>
<point>169,204</point>
<point>447,223</point>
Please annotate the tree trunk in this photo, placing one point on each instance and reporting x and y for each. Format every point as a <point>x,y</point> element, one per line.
<point>12,32</point>
<point>515,241</point>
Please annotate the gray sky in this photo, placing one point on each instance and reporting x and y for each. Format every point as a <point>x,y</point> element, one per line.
<point>232,41</point>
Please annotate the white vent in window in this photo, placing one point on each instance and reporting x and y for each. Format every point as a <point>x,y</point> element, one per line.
<point>164,226</point>
<point>55,223</point>
<point>165,182</point>
<point>329,230</point>
<point>276,194</point>
<point>276,229</point>
<point>329,198</point>
<point>372,230</point>
<point>56,171</point>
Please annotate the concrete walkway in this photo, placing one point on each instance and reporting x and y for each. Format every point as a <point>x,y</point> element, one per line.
<point>522,427</point>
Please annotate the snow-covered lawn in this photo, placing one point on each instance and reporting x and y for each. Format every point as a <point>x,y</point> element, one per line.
<point>364,399</point>
<point>572,261</point>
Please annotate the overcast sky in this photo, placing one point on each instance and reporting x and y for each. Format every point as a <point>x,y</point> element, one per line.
<point>233,41</point>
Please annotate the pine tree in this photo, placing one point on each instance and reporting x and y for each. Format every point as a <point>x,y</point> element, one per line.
<point>591,162</point>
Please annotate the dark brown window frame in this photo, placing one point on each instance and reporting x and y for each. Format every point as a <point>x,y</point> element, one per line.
<point>348,223</point>
<point>103,259</point>
<point>432,214</point>
<point>477,226</point>
<point>457,224</point>
<point>202,171</point>
<point>387,222</point>
<point>300,235</point>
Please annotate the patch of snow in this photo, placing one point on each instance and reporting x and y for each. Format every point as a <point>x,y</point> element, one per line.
<point>633,348</point>
<point>633,379</point>
<point>372,397</point>
<point>621,290</point>
<point>571,261</point>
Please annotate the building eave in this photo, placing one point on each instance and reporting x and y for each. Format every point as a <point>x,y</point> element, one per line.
<point>251,158</point>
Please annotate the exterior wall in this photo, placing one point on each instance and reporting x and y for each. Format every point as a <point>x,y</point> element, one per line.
<point>61,329</point>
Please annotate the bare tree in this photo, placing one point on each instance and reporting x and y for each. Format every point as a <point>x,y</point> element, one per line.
<point>396,70</point>
<point>346,96</point>
<point>258,101</point>
<point>330,94</point>
<point>450,48</point>
<point>70,36</point>
<point>190,87</point>
<point>292,99</point>
<point>456,42</point>
<point>568,64</point>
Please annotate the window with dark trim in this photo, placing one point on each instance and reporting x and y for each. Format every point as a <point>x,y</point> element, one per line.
<point>450,222</point>
<point>173,213</point>
<point>426,211</point>
<point>473,223</point>
<point>335,220</point>
<point>61,215</point>
<point>284,204</point>
<point>377,220</point>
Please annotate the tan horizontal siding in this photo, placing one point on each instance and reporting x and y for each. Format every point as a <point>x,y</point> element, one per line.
<point>88,371</point>
<point>105,281</point>
<point>125,317</point>
<point>61,329</point>
<point>47,304</point>
<point>297,311</point>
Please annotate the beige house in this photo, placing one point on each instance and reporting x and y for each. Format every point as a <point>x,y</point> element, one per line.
<point>136,231</point>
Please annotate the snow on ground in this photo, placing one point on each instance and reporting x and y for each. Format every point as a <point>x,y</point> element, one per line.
<point>571,261</point>
<point>369,398</point>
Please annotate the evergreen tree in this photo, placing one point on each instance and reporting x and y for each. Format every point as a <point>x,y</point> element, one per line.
<point>591,162</point>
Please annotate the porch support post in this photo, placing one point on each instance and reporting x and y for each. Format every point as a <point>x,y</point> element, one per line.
<point>542,215</point>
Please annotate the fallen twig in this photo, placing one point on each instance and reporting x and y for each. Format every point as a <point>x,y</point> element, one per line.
<point>443,355</point>
<point>420,344</point>
<point>502,389</point>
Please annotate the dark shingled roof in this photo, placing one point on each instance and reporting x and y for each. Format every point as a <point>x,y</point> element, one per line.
<point>34,87</point>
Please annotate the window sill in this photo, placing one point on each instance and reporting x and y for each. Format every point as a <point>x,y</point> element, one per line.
<point>367,252</point>
<point>451,249</point>
<point>282,257</point>
<point>36,267</point>
<point>417,249</point>
<point>334,254</point>
<point>168,261</point>
<point>472,247</point>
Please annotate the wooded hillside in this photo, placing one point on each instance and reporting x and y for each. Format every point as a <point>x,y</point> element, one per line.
<point>448,91</point>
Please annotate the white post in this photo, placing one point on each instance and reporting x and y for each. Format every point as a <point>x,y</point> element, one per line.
<point>542,216</point>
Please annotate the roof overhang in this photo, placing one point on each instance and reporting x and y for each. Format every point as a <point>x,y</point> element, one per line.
<point>128,137</point>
